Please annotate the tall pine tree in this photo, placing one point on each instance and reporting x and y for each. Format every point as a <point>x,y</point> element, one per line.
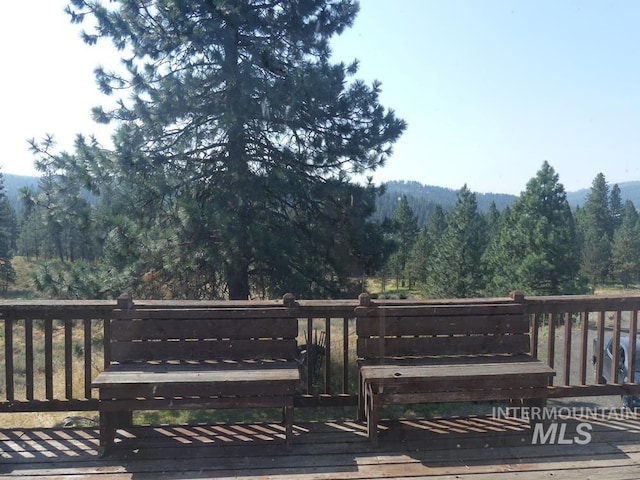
<point>535,248</point>
<point>7,225</point>
<point>457,269</point>
<point>405,228</point>
<point>597,232</point>
<point>239,139</point>
<point>625,251</point>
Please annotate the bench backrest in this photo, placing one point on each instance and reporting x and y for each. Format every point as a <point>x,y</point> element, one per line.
<point>203,334</point>
<point>445,329</point>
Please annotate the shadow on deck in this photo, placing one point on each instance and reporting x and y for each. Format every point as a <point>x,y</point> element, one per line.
<point>471,447</point>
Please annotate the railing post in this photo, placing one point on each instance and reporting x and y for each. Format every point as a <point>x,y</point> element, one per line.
<point>125,302</point>
<point>289,300</point>
<point>517,296</point>
<point>364,300</point>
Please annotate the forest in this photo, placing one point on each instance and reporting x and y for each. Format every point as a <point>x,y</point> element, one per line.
<point>236,142</point>
<point>536,244</point>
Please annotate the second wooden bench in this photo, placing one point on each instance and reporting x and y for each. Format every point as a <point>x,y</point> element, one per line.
<point>444,353</point>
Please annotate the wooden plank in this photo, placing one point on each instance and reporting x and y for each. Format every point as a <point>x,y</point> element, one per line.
<point>457,388</point>
<point>421,346</point>
<point>206,313</point>
<point>170,328</point>
<point>68,359</point>
<point>566,354</point>
<point>584,346</point>
<point>345,356</point>
<point>203,350</point>
<point>250,401</point>
<point>30,406</point>
<point>48,358</point>
<point>196,374</point>
<point>29,367</point>
<point>88,356</point>
<point>460,372</point>
<point>201,394</point>
<point>442,325</point>
<point>599,349</point>
<point>327,355</point>
<point>441,310</point>
<point>397,398</point>
<point>8,358</point>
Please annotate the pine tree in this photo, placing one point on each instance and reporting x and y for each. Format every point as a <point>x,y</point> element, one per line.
<point>421,255</point>
<point>597,233</point>
<point>625,251</point>
<point>240,137</point>
<point>405,229</point>
<point>535,248</point>
<point>616,207</point>
<point>457,269</point>
<point>7,223</point>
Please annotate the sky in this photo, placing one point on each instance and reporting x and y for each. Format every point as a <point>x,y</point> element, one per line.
<point>490,89</point>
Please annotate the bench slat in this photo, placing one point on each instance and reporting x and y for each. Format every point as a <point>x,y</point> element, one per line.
<point>440,310</point>
<point>205,313</point>
<point>151,381</point>
<point>461,396</point>
<point>442,325</point>
<point>459,345</point>
<point>172,328</point>
<point>176,390</point>
<point>457,378</point>
<point>129,404</point>
<point>204,350</point>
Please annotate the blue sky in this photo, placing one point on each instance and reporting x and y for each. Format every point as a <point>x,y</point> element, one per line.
<point>490,89</point>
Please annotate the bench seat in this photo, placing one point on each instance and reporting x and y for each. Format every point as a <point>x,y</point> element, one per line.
<point>123,382</point>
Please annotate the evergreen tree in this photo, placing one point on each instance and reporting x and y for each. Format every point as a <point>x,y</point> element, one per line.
<point>405,229</point>
<point>626,247</point>
<point>7,225</point>
<point>493,220</point>
<point>457,269</point>
<point>239,140</point>
<point>597,233</point>
<point>616,207</point>
<point>534,250</point>
<point>421,255</point>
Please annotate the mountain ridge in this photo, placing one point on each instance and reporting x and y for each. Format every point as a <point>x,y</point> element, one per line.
<point>422,198</point>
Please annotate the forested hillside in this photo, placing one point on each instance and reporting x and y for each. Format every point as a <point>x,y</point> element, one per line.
<point>13,184</point>
<point>424,198</point>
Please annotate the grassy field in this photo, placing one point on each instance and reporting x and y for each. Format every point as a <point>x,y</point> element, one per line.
<point>24,288</point>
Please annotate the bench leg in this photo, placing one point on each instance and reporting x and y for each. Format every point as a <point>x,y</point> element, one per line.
<point>287,419</point>
<point>107,432</point>
<point>109,423</point>
<point>361,402</point>
<point>371,413</point>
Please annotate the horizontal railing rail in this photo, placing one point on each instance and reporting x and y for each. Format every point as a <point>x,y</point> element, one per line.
<point>53,349</point>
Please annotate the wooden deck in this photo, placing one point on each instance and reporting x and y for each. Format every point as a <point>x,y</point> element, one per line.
<point>474,447</point>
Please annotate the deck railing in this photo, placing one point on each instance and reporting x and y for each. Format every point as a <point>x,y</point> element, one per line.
<point>52,349</point>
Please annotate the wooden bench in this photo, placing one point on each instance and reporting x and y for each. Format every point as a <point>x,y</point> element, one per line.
<point>197,358</point>
<point>445,353</point>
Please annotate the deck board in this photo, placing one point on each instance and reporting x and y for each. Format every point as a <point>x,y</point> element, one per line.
<point>468,448</point>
